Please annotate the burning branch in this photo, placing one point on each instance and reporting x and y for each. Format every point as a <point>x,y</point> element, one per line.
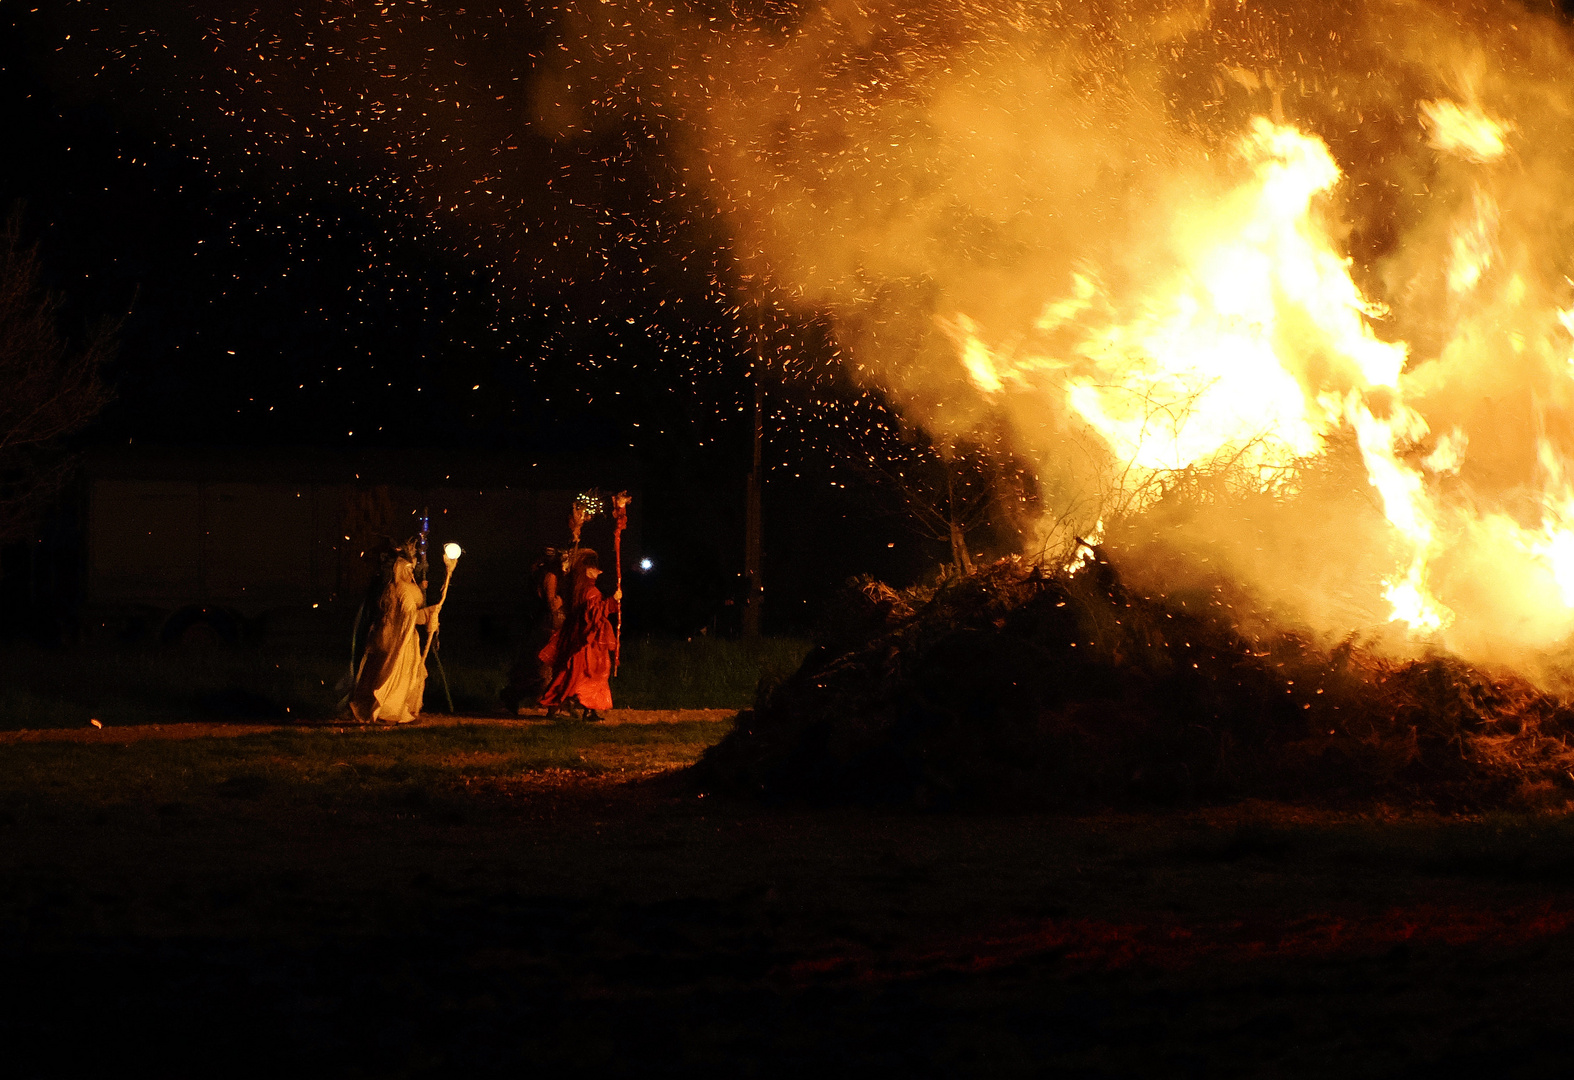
<point>587,504</point>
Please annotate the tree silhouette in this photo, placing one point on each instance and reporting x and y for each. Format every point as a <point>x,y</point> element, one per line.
<point>52,387</point>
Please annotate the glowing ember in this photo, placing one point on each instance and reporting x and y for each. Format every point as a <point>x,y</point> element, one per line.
<point>1314,252</point>
<point>1235,250</point>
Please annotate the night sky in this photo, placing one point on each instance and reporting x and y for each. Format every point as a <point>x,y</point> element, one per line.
<point>317,249</point>
<point>341,225</point>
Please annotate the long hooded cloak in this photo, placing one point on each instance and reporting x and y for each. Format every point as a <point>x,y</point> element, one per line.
<point>392,678</point>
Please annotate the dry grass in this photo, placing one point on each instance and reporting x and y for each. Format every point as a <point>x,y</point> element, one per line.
<point>120,683</point>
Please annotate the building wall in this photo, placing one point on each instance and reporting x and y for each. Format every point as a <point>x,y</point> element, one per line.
<point>257,547</point>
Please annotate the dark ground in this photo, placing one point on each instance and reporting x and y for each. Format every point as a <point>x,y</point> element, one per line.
<point>478,898</point>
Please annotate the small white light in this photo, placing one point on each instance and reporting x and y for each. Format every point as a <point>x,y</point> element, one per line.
<point>452,551</point>
<point>646,564</point>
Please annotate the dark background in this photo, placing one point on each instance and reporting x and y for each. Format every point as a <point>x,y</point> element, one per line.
<point>290,282</point>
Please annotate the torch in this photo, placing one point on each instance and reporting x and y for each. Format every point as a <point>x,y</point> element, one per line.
<point>620,521</point>
<point>586,506</point>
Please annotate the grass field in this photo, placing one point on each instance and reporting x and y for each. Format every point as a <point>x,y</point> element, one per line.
<point>288,768</point>
<point>476,898</point>
<point>134,684</point>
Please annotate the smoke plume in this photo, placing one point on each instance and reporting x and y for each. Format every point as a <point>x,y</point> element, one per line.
<point>1273,290</point>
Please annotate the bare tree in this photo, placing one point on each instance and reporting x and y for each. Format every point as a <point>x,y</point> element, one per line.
<point>949,490</point>
<point>51,386</point>
<point>967,493</point>
<point>953,489</point>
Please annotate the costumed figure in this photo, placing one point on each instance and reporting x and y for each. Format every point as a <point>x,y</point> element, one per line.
<point>392,676</point>
<point>580,654</point>
<point>528,678</point>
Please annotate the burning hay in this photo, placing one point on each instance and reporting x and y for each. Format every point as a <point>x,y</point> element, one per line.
<point>1017,686</point>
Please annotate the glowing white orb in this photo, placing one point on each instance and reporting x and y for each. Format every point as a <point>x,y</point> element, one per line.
<point>646,564</point>
<point>452,551</point>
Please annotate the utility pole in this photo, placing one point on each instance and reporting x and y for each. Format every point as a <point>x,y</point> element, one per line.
<point>755,596</point>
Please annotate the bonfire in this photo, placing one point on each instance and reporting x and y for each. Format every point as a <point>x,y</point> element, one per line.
<point>1323,286</point>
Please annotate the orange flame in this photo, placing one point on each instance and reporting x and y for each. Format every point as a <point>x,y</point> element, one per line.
<point>1319,252</point>
<point>1202,374</point>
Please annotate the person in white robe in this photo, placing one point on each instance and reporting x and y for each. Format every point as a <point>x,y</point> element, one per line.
<point>392,677</point>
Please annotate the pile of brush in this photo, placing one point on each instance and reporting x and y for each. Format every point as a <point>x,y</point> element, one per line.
<point>1015,686</point>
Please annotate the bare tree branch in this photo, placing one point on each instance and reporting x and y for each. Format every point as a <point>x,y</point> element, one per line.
<point>52,388</point>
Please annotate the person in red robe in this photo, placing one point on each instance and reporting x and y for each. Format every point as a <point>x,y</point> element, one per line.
<point>529,677</point>
<point>580,654</point>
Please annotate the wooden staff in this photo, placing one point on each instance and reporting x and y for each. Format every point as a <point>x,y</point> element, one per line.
<point>451,553</point>
<point>620,521</point>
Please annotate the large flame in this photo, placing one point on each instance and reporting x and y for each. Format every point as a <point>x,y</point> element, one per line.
<point>1209,367</point>
<point>1212,369</point>
<point>1317,255</point>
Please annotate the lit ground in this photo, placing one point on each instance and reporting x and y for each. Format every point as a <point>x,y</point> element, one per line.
<point>485,895</point>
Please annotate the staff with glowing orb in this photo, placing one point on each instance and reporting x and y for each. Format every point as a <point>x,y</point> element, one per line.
<point>451,553</point>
